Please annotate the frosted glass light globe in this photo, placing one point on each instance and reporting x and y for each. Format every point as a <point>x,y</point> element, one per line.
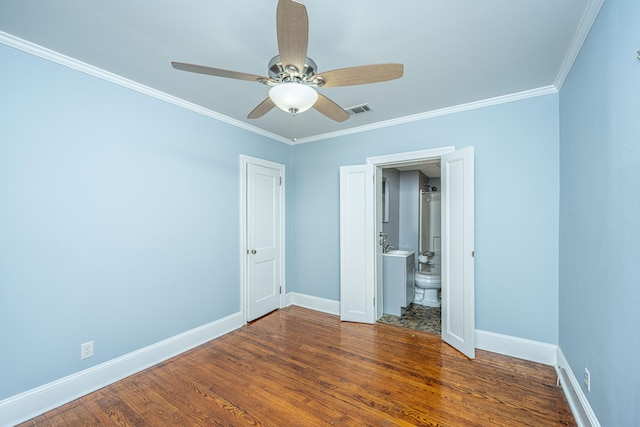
<point>293,97</point>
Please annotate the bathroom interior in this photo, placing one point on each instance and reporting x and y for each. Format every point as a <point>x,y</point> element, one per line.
<point>411,241</point>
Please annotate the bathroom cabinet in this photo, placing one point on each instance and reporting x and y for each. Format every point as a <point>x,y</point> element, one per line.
<point>398,281</point>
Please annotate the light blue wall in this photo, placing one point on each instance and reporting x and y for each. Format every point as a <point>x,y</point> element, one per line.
<point>600,212</point>
<point>119,216</point>
<point>119,219</point>
<point>516,188</point>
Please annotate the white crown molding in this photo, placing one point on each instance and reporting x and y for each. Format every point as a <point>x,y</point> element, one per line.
<point>587,20</point>
<point>546,90</point>
<point>67,61</point>
<point>32,403</point>
<point>578,402</point>
<point>83,67</point>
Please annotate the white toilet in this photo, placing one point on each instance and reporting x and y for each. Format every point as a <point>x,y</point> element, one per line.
<point>429,282</point>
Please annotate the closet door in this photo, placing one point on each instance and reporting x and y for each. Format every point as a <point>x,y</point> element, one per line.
<point>264,240</point>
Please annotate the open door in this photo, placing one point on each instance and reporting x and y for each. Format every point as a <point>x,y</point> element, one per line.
<point>360,253</point>
<point>458,295</point>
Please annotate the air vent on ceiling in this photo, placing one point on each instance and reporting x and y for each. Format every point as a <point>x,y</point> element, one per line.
<point>359,109</point>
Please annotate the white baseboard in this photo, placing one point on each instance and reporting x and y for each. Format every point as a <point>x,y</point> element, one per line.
<point>580,407</point>
<point>533,351</point>
<point>315,303</point>
<point>32,403</point>
<point>521,348</point>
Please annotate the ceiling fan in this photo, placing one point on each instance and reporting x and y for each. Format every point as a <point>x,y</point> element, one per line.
<point>292,76</point>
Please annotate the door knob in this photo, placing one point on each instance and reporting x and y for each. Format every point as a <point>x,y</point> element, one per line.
<point>253,251</point>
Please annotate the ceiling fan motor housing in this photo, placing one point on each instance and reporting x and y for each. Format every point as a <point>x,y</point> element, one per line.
<point>279,73</point>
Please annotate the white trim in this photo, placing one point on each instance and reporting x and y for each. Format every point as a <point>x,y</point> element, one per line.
<point>586,22</point>
<point>521,348</point>
<point>314,303</point>
<point>409,157</point>
<point>244,285</point>
<point>32,403</point>
<point>24,406</point>
<point>42,52</point>
<point>533,351</point>
<point>578,402</point>
<point>545,90</point>
<point>83,67</point>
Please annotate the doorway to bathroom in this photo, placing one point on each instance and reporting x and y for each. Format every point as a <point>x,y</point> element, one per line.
<point>361,245</point>
<point>411,226</point>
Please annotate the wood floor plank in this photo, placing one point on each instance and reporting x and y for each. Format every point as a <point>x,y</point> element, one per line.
<point>268,376</point>
<point>301,367</point>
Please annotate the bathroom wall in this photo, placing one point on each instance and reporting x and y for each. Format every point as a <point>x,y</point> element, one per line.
<point>411,182</point>
<point>425,228</point>
<point>409,190</point>
<point>392,227</point>
<point>432,219</point>
<point>435,182</point>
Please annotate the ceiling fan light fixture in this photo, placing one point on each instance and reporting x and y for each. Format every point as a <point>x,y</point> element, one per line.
<point>293,97</point>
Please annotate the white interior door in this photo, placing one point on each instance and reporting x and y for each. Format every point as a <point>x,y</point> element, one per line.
<point>263,246</point>
<point>360,255</point>
<point>458,295</point>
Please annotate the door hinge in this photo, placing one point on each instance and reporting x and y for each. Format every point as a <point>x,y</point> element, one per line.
<point>280,180</point>
<point>280,289</point>
<point>374,301</point>
<point>473,254</point>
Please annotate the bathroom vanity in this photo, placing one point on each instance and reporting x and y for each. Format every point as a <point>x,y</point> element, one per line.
<point>398,281</point>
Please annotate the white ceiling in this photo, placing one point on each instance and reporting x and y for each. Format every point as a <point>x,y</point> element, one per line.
<point>455,52</point>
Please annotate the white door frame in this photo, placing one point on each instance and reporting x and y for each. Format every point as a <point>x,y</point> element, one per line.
<point>398,159</point>
<point>244,265</point>
<point>410,157</point>
<point>405,159</point>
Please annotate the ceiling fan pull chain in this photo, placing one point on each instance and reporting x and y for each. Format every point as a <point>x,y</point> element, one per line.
<point>293,126</point>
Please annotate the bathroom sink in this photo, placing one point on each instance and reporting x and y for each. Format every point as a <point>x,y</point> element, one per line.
<point>397,252</point>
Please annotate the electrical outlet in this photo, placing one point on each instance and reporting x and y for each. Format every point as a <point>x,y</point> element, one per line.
<point>587,379</point>
<point>86,350</point>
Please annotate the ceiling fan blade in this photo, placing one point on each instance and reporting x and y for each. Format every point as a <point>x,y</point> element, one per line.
<point>330,109</point>
<point>263,108</point>
<point>362,74</point>
<point>293,33</point>
<point>218,72</point>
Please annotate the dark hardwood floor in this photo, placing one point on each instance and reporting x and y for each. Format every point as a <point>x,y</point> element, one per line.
<point>299,367</point>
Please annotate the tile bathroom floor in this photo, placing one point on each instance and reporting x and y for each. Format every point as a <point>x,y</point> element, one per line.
<point>418,317</point>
